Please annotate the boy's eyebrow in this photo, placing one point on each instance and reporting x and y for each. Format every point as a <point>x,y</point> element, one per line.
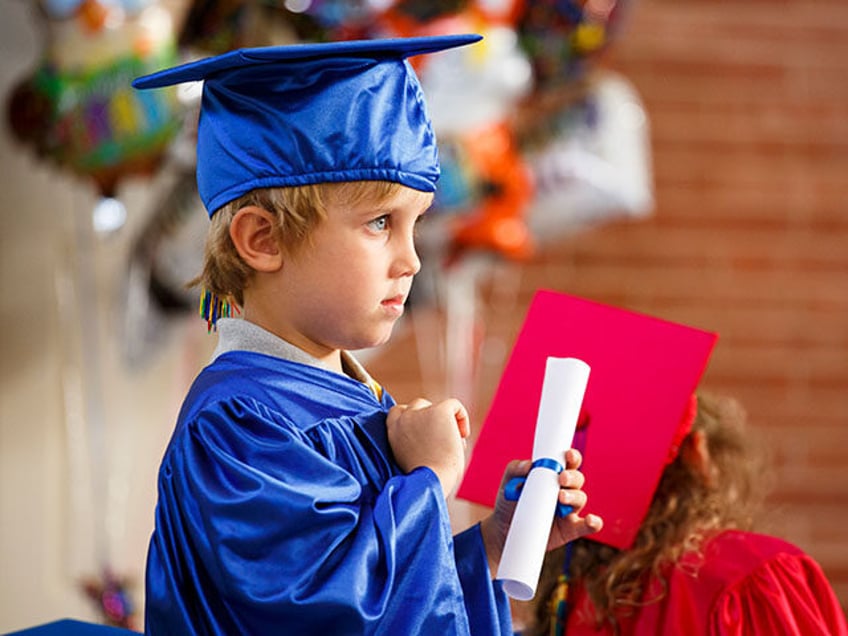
<point>380,209</point>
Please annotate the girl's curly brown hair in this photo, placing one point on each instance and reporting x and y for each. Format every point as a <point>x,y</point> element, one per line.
<point>688,507</point>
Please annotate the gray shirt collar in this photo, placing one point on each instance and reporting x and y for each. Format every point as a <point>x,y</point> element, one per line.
<point>237,334</point>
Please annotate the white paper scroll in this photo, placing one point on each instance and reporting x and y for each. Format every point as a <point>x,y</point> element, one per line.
<point>562,395</point>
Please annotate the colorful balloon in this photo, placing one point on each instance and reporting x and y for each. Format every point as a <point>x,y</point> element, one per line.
<point>471,95</point>
<point>215,26</point>
<point>78,107</point>
<point>589,155</point>
<point>563,37</point>
<point>112,599</point>
<point>497,222</point>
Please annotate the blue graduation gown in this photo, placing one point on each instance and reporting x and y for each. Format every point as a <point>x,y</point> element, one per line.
<point>281,511</point>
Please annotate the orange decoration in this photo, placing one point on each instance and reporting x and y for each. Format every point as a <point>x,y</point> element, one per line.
<point>93,15</point>
<point>497,224</point>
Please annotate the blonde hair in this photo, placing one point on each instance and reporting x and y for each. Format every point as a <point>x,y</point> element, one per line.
<point>687,508</point>
<point>298,210</point>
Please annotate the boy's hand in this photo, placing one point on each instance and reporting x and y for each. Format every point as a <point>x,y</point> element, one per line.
<point>433,435</point>
<point>495,527</point>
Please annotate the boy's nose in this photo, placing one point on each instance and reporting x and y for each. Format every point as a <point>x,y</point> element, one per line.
<point>407,261</point>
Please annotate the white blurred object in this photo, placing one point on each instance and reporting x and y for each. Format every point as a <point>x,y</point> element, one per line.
<point>109,216</point>
<point>471,87</point>
<point>598,167</point>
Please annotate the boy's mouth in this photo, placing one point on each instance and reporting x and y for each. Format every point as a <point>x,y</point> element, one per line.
<point>395,303</point>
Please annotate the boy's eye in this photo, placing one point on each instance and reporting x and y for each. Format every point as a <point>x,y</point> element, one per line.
<point>380,223</point>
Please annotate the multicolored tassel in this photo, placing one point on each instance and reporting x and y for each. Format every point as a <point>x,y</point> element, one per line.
<point>212,307</point>
<point>558,603</point>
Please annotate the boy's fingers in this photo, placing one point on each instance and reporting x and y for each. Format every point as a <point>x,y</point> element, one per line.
<point>463,422</point>
<point>594,522</point>
<point>582,527</point>
<point>419,403</point>
<point>590,524</point>
<point>577,499</point>
<point>573,459</point>
<point>572,479</point>
<point>515,468</point>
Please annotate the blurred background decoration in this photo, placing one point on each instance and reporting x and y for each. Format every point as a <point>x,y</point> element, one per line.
<point>77,112</point>
<point>76,108</point>
<point>684,159</point>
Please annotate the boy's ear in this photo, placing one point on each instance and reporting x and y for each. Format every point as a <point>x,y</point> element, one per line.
<point>252,232</point>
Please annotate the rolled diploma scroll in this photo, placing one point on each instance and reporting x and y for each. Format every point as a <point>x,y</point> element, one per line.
<point>559,408</point>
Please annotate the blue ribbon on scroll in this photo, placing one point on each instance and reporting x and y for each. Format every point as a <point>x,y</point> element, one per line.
<point>512,489</point>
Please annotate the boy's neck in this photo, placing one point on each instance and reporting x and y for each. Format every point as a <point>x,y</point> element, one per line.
<point>245,335</point>
<point>237,334</point>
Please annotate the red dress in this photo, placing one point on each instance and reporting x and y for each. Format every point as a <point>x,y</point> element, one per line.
<point>745,583</point>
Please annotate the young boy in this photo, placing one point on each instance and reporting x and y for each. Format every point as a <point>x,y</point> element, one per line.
<point>295,497</point>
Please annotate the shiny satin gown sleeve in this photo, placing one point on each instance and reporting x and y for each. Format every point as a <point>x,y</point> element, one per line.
<point>287,515</point>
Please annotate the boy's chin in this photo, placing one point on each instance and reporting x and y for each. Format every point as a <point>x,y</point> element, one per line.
<point>379,342</point>
<point>379,339</point>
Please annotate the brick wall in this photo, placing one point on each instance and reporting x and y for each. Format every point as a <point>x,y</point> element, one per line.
<point>748,106</point>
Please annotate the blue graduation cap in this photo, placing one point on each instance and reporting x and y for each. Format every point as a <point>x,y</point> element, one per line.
<point>311,113</point>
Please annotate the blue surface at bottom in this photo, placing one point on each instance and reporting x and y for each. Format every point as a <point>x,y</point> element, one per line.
<point>70,627</point>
